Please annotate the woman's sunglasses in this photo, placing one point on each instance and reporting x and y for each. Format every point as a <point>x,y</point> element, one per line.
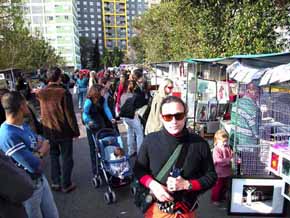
<point>169,117</point>
<point>169,87</point>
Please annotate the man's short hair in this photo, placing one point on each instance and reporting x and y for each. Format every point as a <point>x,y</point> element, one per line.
<point>11,102</point>
<point>53,74</point>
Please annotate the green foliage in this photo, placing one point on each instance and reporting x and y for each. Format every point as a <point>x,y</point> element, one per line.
<point>180,29</point>
<point>96,57</point>
<point>112,58</point>
<point>86,50</point>
<point>18,49</point>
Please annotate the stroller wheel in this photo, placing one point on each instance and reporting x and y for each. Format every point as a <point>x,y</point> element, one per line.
<point>110,197</point>
<point>97,181</point>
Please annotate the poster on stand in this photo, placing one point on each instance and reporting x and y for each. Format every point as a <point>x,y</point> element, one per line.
<point>222,92</point>
<point>212,110</point>
<point>202,112</point>
<point>206,89</point>
<point>256,196</point>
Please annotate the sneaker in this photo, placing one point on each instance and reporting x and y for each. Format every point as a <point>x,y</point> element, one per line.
<point>70,188</point>
<point>55,187</point>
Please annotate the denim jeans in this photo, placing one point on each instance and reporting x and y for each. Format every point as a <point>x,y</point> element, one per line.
<point>134,128</point>
<point>82,96</point>
<point>92,151</point>
<point>41,204</point>
<point>63,148</point>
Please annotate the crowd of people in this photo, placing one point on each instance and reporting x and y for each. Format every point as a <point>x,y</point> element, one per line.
<point>156,125</point>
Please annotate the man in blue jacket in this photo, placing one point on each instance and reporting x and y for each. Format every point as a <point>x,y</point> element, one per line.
<point>26,149</point>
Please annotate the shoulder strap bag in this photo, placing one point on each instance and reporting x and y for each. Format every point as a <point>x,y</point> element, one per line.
<point>142,197</point>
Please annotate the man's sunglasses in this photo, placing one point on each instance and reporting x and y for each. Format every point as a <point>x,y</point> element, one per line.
<point>169,117</point>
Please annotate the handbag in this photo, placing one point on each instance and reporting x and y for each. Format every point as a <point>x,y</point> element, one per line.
<point>143,199</point>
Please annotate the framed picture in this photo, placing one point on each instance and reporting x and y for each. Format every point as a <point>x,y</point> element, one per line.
<point>202,111</point>
<point>286,190</point>
<point>222,92</point>
<point>206,89</point>
<point>256,196</point>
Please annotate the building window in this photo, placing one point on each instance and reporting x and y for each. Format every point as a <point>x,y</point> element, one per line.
<point>93,29</point>
<point>85,15</point>
<point>92,22</point>
<point>85,3</point>
<point>66,17</point>
<point>87,35</point>
<point>92,16</point>
<point>91,3</point>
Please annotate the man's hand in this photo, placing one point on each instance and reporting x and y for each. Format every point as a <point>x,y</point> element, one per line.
<point>177,184</point>
<point>113,121</point>
<point>44,147</point>
<point>160,191</point>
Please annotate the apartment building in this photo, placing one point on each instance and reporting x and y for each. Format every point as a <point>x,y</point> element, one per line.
<point>135,8</point>
<point>90,21</point>
<point>56,21</point>
<point>109,21</point>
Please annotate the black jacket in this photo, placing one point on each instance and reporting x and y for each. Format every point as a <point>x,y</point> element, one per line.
<point>15,187</point>
<point>156,149</point>
<point>137,101</point>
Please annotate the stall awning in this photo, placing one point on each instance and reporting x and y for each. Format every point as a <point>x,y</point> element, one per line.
<point>277,74</point>
<point>245,74</point>
<point>252,60</point>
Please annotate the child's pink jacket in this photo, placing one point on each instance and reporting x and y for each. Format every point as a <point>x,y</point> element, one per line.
<point>222,156</point>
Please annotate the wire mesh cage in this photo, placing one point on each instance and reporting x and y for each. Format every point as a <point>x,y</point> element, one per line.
<point>251,153</point>
<point>272,122</point>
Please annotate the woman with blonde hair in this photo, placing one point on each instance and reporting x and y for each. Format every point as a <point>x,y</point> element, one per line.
<point>154,123</point>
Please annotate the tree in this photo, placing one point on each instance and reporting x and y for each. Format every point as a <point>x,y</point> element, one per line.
<point>117,57</point>
<point>112,58</point>
<point>96,57</point>
<point>86,50</point>
<point>180,29</point>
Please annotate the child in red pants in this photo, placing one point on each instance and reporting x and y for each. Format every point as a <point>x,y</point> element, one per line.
<point>222,156</point>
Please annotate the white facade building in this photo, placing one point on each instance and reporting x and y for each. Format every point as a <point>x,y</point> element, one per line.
<point>56,21</point>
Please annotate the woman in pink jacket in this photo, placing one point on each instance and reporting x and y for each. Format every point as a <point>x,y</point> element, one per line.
<point>222,156</point>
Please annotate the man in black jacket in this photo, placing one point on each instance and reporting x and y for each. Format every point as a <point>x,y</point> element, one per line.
<point>177,193</point>
<point>15,187</point>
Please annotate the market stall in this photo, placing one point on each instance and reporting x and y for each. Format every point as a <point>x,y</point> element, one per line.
<point>260,131</point>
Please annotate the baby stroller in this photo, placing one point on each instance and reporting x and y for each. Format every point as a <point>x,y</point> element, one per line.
<point>114,171</point>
